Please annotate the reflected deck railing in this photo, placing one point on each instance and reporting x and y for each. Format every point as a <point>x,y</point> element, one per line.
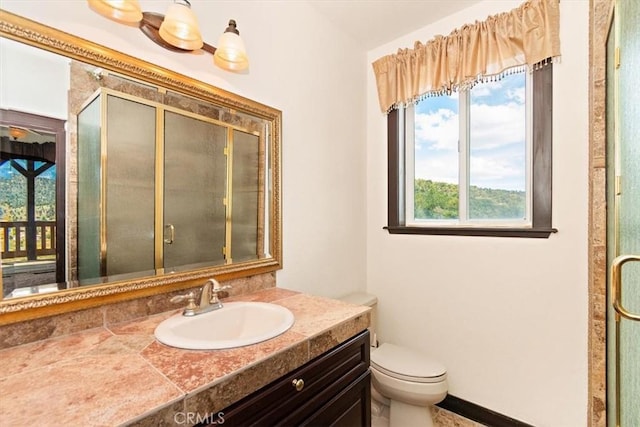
<point>15,241</point>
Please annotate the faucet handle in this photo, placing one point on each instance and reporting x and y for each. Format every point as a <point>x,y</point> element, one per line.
<point>190,297</point>
<point>217,288</point>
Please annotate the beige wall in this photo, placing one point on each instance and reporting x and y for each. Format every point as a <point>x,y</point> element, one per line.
<point>507,316</point>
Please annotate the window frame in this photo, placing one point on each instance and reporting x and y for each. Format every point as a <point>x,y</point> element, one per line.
<point>541,173</point>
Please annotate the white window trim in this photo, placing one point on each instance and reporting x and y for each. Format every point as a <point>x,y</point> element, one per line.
<point>407,169</point>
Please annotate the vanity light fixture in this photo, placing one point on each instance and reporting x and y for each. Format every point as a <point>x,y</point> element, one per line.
<point>177,30</point>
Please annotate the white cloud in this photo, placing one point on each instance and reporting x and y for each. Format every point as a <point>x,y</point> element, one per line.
<point>517,94</point>
<point>502,170</point>
<point>497,138</point>
<point>495,125</point>
<point>437,131</point>
<point>497,141</point>
<point>439,167</point>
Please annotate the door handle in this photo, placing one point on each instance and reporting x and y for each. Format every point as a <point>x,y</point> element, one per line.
<point>616,285</point>
<point>172,234</point>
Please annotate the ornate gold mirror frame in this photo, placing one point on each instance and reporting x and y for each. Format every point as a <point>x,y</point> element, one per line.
<point>32,33</point>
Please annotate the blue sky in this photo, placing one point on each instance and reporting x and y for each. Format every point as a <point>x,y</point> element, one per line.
<point>6,170</point>
<point>497,135</point>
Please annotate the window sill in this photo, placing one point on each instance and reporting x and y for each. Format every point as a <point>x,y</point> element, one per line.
<point>535,233</point>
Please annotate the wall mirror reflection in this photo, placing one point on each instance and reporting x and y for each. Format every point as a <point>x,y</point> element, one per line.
<point>114,173</point>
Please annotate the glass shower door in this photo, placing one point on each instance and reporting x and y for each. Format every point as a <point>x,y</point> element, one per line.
<point>623,229</point>
<point>130,180</point>
<point>194,201</point>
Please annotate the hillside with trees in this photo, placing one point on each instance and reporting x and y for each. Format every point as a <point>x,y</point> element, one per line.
<point>13,198</point>
<point>433,200</point>
<point>439,200</point>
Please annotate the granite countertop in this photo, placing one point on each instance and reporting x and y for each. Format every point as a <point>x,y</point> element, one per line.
<point>120,375</point>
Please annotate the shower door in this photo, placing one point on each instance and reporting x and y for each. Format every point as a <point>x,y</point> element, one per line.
<point>195,184</point>
<point>623,216</point>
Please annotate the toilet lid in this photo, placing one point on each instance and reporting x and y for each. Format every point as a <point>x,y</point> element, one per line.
<point>406,364</point>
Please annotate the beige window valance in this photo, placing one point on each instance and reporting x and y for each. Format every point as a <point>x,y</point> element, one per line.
<point>525,36</point>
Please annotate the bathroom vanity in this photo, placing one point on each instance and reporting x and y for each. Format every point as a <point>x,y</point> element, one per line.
<point>119,374</point>
<point>333,389</point>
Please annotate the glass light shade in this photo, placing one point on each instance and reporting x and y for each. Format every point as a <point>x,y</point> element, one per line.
<point>124,11</point>
<point>230,53</point>
<point>17,133</point>
<point>180,28</point>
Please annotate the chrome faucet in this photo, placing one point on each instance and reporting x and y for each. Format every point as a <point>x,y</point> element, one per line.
<point>209,300</point>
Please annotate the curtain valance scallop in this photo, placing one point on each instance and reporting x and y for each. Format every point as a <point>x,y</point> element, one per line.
<point>525,36</point>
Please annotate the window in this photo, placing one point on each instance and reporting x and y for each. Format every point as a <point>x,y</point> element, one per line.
<point>475,162</point>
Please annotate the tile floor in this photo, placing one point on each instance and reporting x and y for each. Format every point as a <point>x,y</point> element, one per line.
<point>441,418</point>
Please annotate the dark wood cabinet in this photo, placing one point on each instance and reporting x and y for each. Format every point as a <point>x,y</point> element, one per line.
<point>331,390</point>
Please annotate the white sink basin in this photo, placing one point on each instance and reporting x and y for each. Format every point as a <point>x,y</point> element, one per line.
<point>236,324</point>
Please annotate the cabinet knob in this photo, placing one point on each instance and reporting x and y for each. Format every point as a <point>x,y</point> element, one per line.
<point>298,384</point>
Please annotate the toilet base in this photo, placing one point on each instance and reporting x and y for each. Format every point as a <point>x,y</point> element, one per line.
<point>404,415</point>
<point>377,408</point>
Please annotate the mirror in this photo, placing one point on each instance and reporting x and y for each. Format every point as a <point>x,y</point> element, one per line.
<point>120,177</point>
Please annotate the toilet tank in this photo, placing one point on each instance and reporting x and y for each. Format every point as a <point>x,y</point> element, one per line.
<point>368,300</point>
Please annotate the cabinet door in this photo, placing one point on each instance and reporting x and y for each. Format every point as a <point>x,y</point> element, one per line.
<point>350,408</point>
<point>336,387</point>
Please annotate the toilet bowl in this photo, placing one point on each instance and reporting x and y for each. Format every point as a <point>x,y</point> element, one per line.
<point>406,380</point>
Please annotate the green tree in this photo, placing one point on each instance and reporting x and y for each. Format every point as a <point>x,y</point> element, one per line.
<point>439,200</point>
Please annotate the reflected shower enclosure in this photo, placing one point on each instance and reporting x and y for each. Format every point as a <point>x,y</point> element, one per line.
<point>161,189</point>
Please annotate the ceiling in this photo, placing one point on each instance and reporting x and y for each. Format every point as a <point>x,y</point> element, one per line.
<point>375,22</point>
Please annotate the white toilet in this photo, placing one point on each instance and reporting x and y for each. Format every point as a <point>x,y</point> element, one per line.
<point>406,380</point>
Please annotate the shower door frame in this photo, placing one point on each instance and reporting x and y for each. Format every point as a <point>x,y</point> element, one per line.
<point>620,319</point>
